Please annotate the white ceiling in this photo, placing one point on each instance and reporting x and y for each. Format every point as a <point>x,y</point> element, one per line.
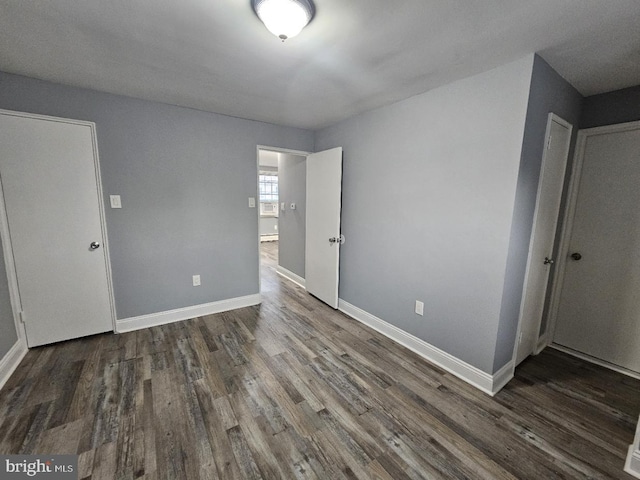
<point>355,55</point>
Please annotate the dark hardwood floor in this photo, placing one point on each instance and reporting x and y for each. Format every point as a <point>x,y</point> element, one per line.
<point>294,389</point>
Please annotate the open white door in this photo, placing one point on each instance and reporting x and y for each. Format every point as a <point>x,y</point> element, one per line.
<point>50,181</point>
<point>324,201</point>
<point>545,221</point>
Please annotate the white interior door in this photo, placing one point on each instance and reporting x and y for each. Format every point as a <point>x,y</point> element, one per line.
<point>599,306</point>
<point>48,169</point>
<point>552,174</point>
<point>322,255</point>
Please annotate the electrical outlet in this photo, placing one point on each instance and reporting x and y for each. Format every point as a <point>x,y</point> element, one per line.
<point>419,307</point>
<point>196,280</point>
<point>115,201</point>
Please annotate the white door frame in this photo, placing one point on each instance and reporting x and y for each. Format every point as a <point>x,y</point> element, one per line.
<point>300,153</point>
<point>567,224</point>
<point>12,278</point>
<point>14,290</point>
<point>552,117</point>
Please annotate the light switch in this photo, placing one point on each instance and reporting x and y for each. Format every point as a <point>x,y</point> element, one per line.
<point>115,201</point>
<point>252,202</point>
<point>293,206</point>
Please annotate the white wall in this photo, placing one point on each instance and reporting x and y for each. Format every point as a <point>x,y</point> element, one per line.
<point>428,197</point>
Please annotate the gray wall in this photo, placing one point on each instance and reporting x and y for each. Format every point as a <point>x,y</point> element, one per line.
<point>549,93</point>
<point>292,185</point>
<point>428,196</point>
<point>184,177</point>
<point>610,108</point>
<point>8,336</point>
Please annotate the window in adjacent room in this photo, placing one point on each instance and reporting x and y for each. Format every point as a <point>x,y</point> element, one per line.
<point>268,185</point>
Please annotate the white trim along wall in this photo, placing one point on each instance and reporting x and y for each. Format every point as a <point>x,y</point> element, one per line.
<point>14,356</point>
<point>632,466</point>
<point>489,384</point>
<point>292,277</point>
<point>11,360</point>
<point>186,313</point>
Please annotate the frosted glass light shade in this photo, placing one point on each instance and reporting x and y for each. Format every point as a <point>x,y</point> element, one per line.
<point>284,18</point>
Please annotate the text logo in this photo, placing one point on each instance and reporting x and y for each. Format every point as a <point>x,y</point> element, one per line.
<point>50,467</point>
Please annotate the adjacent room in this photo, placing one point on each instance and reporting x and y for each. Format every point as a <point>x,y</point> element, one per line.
<point>320,239</point>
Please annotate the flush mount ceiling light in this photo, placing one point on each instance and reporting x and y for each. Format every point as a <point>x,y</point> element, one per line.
<point>284,18</point>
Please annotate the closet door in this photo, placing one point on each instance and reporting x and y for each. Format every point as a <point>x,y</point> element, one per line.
<point>49,173</point>
<point>599,306</point>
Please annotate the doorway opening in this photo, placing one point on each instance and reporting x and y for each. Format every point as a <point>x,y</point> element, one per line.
<point>308,209</point>
<point>281,215</point>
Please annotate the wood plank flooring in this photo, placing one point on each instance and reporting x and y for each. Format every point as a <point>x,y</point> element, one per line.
<point>292,389</point>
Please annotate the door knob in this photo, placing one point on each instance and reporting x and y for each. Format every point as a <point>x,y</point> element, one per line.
<point>548,261</point>
<point>94,245</point>
<point>333,240</point>
<point>576,256</point>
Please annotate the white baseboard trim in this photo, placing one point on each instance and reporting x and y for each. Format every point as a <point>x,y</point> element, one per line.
<point>269,238</point>
<point>289,275</point>
<point>500,378</point>
<point>596,361</point>
<point>632,465</point>
<point>11,360</point>
<point>179,314</point>
<point>543,342</point>
<point>489,384</point>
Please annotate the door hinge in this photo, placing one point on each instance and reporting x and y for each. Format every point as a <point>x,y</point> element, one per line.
<point>520,338</point>
<point>549,142</point>
<point>22,320</point>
